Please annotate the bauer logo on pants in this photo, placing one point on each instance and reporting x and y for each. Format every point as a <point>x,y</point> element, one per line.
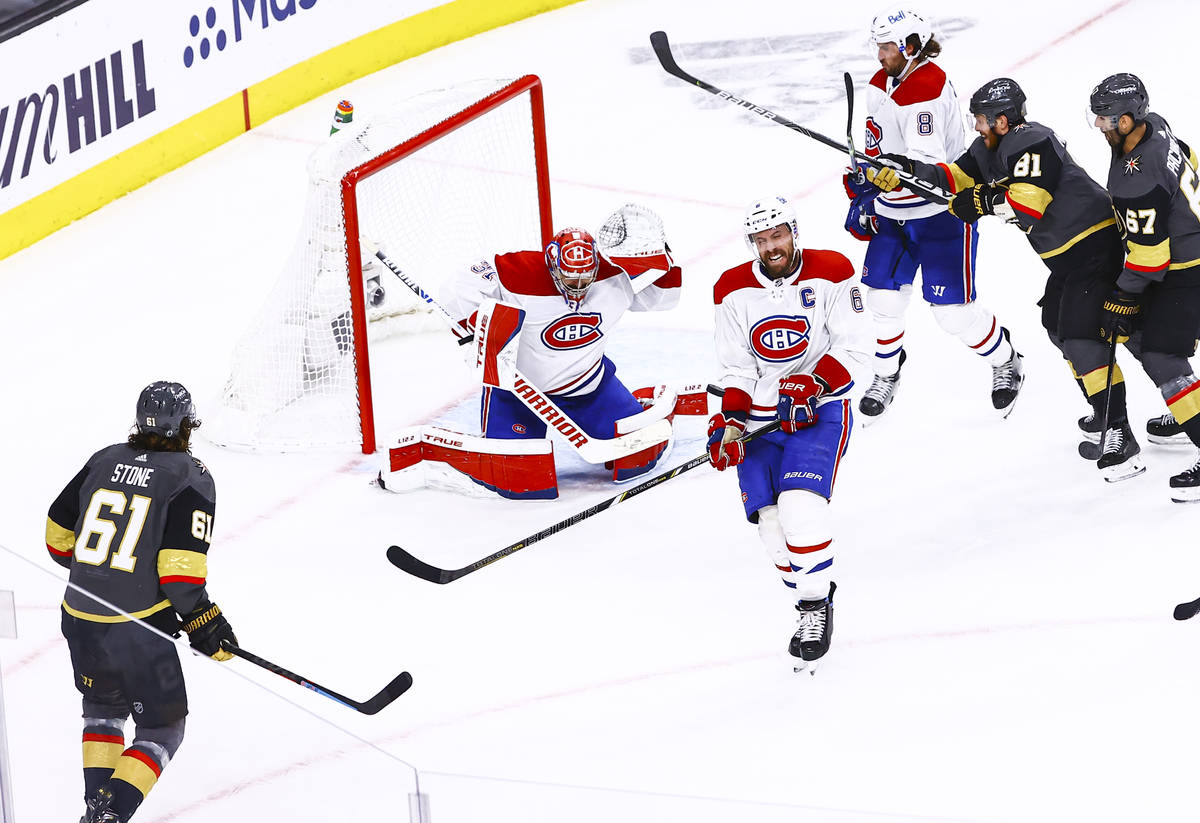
<point>780,338</point>
<point>572,331</point>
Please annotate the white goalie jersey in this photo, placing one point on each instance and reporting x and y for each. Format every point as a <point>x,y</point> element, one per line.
<point>561,349</point>
<point>812,322</point>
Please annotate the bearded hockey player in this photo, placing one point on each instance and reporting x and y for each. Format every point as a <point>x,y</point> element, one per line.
<point>790,326</point>
<point>1156,301</point>
<point>134,528</point>
<point>912,110</point>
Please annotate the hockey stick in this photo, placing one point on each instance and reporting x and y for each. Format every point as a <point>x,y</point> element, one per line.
<point>593,450</point>
<point>419,568</point>
<point>1186,611</point>
<point>1094,451</point>
<point>859,176</point>
<point>399,685</point>
<point>662,49</point>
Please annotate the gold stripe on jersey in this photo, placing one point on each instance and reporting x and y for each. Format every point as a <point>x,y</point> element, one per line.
<point>60,539</point>
<point>1185,405</point>
<point>959,179</point>
<point>1112,221</point>
<point>1029,197</point>
<point>1095,380</point>
<point>182,563</point>
<point>1185,264</point>
<point>1148,258</point>
<point>116,618</point>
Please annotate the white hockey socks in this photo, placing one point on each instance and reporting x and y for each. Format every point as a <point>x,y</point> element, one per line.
<point>771,534</point>
<point>976,327</point>
<point>808,529</point>
<point>888,307</point>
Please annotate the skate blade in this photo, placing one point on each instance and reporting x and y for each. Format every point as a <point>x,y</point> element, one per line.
<point>800,666</point>
<point>1123,471</point>
<point>1180,440</point>
<point>1191,495</point>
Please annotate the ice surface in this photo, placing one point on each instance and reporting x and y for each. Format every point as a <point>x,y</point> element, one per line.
<point>1004,649</point>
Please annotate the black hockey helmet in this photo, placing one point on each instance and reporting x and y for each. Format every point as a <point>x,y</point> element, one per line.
<point>162,407</point>
<point>997,97</point>
<point>1118,94</point>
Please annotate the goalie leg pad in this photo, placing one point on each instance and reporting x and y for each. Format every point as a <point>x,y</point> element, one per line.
<point>514,469</point>
<point>691,399</point>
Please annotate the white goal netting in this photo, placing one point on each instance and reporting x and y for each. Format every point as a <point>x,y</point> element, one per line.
<point>470,192</point>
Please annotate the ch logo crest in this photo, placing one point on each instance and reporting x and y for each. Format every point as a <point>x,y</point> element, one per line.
<point>573,331</point>
<point>780,338</point>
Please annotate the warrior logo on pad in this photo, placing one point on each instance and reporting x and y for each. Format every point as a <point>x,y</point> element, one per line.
<point>779,338</point>
<point>574,331</point>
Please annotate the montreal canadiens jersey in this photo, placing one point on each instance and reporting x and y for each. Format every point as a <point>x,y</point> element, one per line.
<point>769,329</point>
<point>561,348</point>
<point>918,117</point>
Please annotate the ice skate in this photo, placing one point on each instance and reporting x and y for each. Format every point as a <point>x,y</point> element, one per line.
<point>811,640</point>
<point>1120,459</point>
<point>1089,426</point>
<point>1007,379</point>
<point>1185,486</point>
<point>881,393</point>
<point>1164,431</point>
<point>99,808</point>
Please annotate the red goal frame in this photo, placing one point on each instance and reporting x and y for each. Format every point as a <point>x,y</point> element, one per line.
<point>530,84</point>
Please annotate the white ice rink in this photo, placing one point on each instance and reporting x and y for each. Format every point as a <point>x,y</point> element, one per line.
<point>1004,648</point>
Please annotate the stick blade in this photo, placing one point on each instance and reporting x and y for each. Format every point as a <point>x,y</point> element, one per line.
<point>1186,611</point>
<point>402,683</point>
<point>662,50</point>
<point>404,561</point>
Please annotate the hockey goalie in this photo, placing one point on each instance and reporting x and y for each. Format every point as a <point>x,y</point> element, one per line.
<point>540,321</point>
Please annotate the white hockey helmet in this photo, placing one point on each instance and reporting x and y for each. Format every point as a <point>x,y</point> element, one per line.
<point>896,25</point>
<point>768,213</point>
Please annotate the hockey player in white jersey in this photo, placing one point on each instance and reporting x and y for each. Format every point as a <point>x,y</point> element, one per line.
<point>571,296</point>
<point>912,110</point>
<point>790,327</point>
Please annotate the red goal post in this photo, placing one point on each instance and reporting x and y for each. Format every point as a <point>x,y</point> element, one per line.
<point>449,178</point>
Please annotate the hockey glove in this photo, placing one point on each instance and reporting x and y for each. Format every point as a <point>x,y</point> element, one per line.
<point>971,204</point>
<point>206,628</point>
<point>856,183</point>
<point>860,219</point>
<point>725,450</point>
<point>887,178</point>
<point>1121,309</point>
<point>798,395</point>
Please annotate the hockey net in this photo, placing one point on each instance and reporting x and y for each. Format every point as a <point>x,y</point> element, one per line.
<point>444,179</point>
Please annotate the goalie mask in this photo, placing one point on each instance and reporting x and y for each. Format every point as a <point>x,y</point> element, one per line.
<point>162,408</point>
<point>573,263</point>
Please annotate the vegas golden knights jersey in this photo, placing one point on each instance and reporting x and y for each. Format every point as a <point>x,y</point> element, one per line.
<point>1156,193</point>
<point>1055,202</point>
<point>134,528</point>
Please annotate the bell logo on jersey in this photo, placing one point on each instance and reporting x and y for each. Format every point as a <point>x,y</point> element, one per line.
<point>779,339</point>
<point>572,331</point>
<point>874,138</point>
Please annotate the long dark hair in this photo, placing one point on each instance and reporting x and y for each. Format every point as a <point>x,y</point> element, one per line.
<point>155,442</point>
<point>932,47</point>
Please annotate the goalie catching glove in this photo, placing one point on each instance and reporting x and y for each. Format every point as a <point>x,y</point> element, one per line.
<point>207,628</point>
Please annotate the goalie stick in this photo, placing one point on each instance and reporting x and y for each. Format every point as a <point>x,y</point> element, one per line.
<point>593,450</point>
<point>1186,611</point>
<point>399,685</point>
<point>405,561</point>
<point>662,50</point>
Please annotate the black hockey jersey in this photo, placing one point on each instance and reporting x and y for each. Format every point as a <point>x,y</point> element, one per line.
<point>1156,192</point>
<point>134,528</point>
<point>1055,201</point>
